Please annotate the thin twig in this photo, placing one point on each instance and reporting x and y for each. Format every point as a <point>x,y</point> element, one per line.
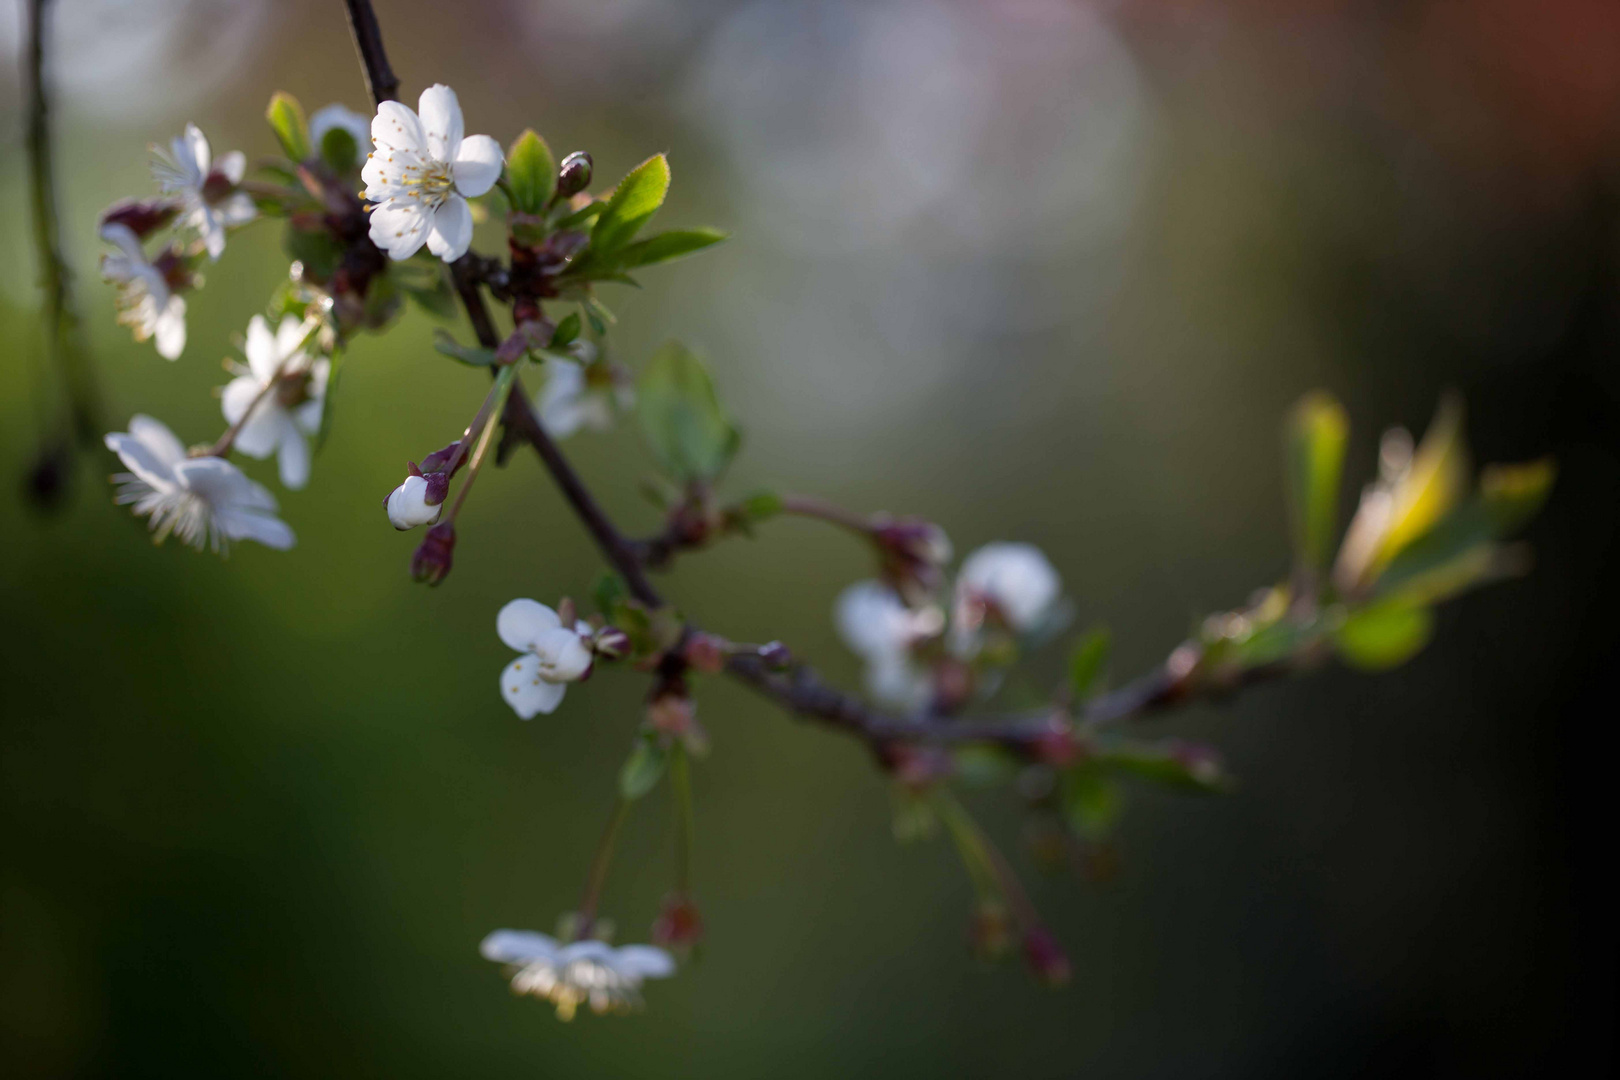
<point>380,78</point>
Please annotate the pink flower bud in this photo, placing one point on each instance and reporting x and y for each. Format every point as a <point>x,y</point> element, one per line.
<point>679,924</point>
<point>705,652</point>
<point>432,560</point>
<point>611,643</point>
<point>143,218</point>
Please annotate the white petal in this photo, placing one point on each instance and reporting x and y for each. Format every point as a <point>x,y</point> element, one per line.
<point>477,165</point>
<point>212,229</point>
<point>873,621</point>
<point>563,656</point>
<point>124,238</point>
<point>239,523</point>
<point>260,347</point>
<point>452,229</point>
<point>521,622</point>
<point>156,437</point>
<point>895,680</point>
<point>308,415</point>
<point>238,395</point>
<point>141,459</point>
<point>336,116</point>
<point>192,151</point>
<point>294,457</point>
<point>517,947</point>
<point>1016,577</point>
<point>589,949</point>
<point>441,121</point>
<point>264,430</point>
<point>232,166</point>
<point>644,962</point>
<point>238,209</point>
<point>407,505</point>
<point>289,336</point>
<point>395,127</point>
<point>558,403</point>
<point>171,329</point>
<point>400,228</point>
<point>526,691</point>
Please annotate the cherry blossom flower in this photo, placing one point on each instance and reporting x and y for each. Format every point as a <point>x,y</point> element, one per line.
<point>877,626</point>
<point>208,190</point>
<point>580,395</point>
<point>284,415</point>
<point>554,656</point>
<point>422,173</point>
<point>407,505</point>
<point>337,117</point>
<point>1013,581</point>
<point>585,972</point>
<point>198,499</point>
<point>146,303</point>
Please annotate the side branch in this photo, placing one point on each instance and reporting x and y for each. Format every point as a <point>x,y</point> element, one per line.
<point>380,78</point>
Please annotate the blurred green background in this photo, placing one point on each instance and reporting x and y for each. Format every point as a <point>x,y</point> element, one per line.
<point>1036,269</point>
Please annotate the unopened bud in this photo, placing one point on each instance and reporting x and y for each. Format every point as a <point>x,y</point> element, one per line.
<point>567,612</point>
<point>611,643</point>
<point>1045,957</point>
<point>574,174</point>
<point>776,656</point>
<point>439,459</point>
<point>918,767</point>
<point>409,504</point>
<point>432,560</point>
<point>913,554</point>
<point>141,217</point>
<point>679,924</point>
<point>1057,745</point>
<point>671,712</point>
<point>705,652</point>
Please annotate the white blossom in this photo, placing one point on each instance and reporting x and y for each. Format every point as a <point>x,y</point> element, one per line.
<point>145,302</point>
<point>554,655</point>
<point>1014,580</point>
<point>584,972</point>
<point>877,626</point>
<point>421,174</point>
<point>288,413</point>
<point>408,507</point>
<point>198,499</point>
<point>337,117</point>
<point>580,394</point>
<point>207,189</point>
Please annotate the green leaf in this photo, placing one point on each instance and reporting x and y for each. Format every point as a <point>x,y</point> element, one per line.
<point>609,593</point>
<point>317,249</point>
<point>1087,661</point>
<point>642,768</point>
<point>589,212</point>
<point>666,246</point>
<point>1384,635</point>
<point>681,417</point>
<point>286,118</point>
<point>332,377</point>
<point>761,506</point>
<point>634,201</point>
<point>339,150</point>
<point>1513,494</point>
<point>985,766</point>
<point>566,331</point>
<point>531,173</point>
<point>1314,442</point>
<point>1091,802</point>
<point>469,355</point>
<point>1173,763</point>
<point>1432,486</point>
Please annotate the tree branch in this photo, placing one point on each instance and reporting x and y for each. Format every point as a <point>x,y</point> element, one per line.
<point>380,78</point>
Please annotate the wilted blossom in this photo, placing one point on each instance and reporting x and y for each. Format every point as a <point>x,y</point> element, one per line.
<point>422,173</point>
<point>554,656</point>
<point>585,972</point>
<point>202,500</point>
<point>287,414</point>
<point>208,190</point>
<point>877,626</point>
<point>1011,582</point>
<point>146,302</point>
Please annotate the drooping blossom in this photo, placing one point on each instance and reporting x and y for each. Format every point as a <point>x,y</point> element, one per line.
<point>583,395</point>
<point>553,656</point>
<point>286,391</point>
<point>585,972</point>
<point>146,304</point>
<point>201,500</point>
<point>877,626</point>
<point>421,174</point>
<point>208,190</point>
<point>1013,582</point>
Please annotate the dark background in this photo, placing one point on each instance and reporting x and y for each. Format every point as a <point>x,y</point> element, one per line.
<point>1038,270</point>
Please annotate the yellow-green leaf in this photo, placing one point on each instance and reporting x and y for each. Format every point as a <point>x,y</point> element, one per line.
<point>1384,635</point>
<point>634,201</point>
<point>286,118</point>
<point>1314,442</point>
<point>531,173</point>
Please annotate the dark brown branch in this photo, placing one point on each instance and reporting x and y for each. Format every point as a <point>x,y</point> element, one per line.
<point>801,690</point>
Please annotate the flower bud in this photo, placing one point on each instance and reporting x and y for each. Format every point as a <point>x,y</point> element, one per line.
<point>432,560</point>
<point>408,505</point>
<point>913,554</point>
<point>776,656</point>
<point>705,652</point>
<point>574,175</point>
<point>671,711</point>
<point>1045,957</point>
<point>679,924</point>
<point>611,643</point>
<point>1057,745</point>
<point>143,218</point>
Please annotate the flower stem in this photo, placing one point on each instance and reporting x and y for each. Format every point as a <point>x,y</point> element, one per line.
<point>812,507</point>
<point>680,789</point>
<point>483,429</point>
<point>222,446</point>
<point>994,876</point>
<point>600,862</point>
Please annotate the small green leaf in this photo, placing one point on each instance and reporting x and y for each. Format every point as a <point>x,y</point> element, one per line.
<point>642,768</point>
<point>1173,763</point>
<point>469,355</point>
<point>531,173</point>
<point>1433,485</point>
<point>634,201</point>
<point>286,118</point>
<point>608,593</point>
<point>566,331</point>
<point>666,246</point>
<point>1513,494</point>
<point>339,150</point>
<point>1091,802</point>
<point>682,418</point>
<point>589,212</point>
<point>761,506</point>
<point>1385,634</point>
<point>1087,661</point>
<point>1314,442</point>
<point>985,766</point>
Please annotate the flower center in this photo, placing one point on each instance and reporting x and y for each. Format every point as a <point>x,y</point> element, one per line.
<point>432,181</point>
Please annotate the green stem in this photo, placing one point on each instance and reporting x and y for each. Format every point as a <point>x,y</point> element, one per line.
<point>600,862</point>
<point>680,788</point>
<point>484,425</point>
<point>978,849</point>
